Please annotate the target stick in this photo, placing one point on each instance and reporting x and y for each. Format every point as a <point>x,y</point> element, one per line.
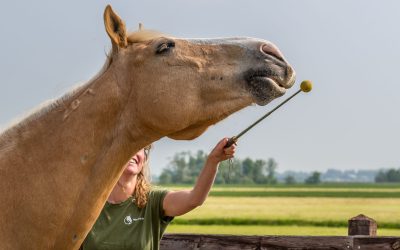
<point>305,86</point>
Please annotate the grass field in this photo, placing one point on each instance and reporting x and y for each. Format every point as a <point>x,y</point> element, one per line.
<point>236,210</point>
<point>324,190</point>
<point>270,230</point>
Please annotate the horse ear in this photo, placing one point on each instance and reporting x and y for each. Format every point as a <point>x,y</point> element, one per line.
<point>115,28</point>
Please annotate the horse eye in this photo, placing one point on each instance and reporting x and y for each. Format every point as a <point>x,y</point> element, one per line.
<point>164,47</point>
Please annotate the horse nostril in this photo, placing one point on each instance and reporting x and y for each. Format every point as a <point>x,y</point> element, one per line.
<point>272,50</point>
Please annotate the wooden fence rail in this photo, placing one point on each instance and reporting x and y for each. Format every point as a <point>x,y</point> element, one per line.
<point>362,235</point>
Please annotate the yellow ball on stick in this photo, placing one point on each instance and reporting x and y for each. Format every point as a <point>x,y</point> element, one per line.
<point>306,86</point>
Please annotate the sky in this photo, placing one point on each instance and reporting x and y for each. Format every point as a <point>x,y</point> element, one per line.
<point>349,49</point>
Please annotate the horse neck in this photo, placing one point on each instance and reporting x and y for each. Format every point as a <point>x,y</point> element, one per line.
<point>76,151</point>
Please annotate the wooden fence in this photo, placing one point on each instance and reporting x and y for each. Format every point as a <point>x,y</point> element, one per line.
<point>362,235</point>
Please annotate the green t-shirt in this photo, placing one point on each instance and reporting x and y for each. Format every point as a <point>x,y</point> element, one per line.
<point>124,226</point>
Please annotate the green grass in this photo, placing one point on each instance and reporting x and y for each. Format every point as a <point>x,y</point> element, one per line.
<point>304,189</point>
<point>270,230</point>
<point>272,222</point>
<point>338,210</point>
<point>292,210</point>
<point>307,186</point>
<point>293,193</point>
<point>346,190</point>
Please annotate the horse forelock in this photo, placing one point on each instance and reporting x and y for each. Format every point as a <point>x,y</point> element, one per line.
<point>144,35</point>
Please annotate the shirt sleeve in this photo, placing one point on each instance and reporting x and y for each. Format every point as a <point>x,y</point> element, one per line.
<point>157,198</point>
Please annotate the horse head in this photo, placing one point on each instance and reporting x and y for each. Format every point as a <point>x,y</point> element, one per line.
<point>183,86</point>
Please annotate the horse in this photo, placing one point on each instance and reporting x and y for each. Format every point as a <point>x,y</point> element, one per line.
<point>59,164</point>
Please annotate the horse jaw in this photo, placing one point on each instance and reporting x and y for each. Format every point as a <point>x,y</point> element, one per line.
<point>189,133</point>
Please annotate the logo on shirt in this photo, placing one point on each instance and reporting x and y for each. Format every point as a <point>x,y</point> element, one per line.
<point>129,220</point>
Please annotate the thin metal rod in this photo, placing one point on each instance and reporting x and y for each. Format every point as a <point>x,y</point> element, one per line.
<point>235,138</point>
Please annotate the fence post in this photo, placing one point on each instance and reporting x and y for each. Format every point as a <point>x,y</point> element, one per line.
<point>362,225</point>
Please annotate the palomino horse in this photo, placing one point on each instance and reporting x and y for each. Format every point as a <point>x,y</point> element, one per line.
<point>58,165</point>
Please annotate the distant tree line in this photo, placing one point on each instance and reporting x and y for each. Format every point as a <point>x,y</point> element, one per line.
<point>314,178</point>
<point>391,175</point>
<point>185,167</point>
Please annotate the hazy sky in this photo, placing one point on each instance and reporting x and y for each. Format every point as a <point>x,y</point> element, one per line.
<point>349,49</point>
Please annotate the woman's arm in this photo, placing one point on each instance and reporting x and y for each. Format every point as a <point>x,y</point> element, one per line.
<point>180,202</point>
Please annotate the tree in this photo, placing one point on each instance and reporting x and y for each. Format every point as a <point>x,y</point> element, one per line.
<point>289,179</point>
<point>314,178</point>
<point>165,177</point>
<point>253,171</point>
<point>381,176</point>
<point>391,175</point>
<point>231,172</point>
<point>195,164</point>
<point>271,169</point>
<point>185,167</point>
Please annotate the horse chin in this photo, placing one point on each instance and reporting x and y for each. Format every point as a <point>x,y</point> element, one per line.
<point>264,90</point>
<point>188,133</point>
<point>265,85</point>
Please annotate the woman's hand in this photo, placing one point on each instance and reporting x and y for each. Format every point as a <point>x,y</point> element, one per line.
<point>219,153</point>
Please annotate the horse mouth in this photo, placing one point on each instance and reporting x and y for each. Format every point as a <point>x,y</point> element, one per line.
<point>266,85</point>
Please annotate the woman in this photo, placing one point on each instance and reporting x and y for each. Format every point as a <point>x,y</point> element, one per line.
<point>136,216</point>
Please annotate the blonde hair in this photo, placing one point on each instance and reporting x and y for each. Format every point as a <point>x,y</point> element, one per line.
<point>143,185</point>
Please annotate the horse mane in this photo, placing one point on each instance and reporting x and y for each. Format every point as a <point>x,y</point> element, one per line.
<point>47,106</point>
<point>64,101</point>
